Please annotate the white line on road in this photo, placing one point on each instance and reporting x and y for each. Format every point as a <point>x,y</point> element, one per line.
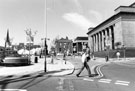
<point>122,84</point>
<point>126,83</point>
<point>105,80</point>
<point>88,79</point>
<point>99,71</point>
<point>122,81</point>
<point>13,90</point>
<point>60,87</point>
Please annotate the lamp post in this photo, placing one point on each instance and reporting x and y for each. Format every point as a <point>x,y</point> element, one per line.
<point>45,66</point>
<point>45,45</point>
<point>45,49</point>
<point>124,49</point>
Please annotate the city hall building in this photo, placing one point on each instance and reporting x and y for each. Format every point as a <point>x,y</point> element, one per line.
<point>119,28</point>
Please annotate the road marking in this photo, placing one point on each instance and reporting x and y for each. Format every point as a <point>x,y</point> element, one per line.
<point>61,83</point>
<point>88,79</point>
<point>71,86</point>
<point>99,71</point>
<point>126,83</point>
<point>105,80</point>
<point>13,90</point>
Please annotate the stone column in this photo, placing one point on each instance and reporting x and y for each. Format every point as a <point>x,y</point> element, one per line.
<point>82,46</point>
<point>112,31</point>
<point>77,47</point>
<point>102,32</point>
<point>110,37</point>
<point>94,43</point>
<point>106,37</point>
<point>99,41</point>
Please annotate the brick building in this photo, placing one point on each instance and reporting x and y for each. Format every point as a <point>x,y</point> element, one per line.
<point>64,44</point>
<point>119,28</point>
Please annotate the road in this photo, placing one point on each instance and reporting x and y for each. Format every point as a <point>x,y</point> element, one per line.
<point>117,77</point>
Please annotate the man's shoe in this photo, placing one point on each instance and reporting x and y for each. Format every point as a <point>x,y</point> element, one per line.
<point>77,75</point>
<point>90,75</point>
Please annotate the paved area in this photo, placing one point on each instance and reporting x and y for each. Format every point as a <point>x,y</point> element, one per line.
<point>58,65</point>
<point>102,61</point>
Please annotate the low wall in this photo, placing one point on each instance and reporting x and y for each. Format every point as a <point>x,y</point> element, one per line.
<point>129,52</point>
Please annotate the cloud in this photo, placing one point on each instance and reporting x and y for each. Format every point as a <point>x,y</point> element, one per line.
<point>78,5</point>
<point>78,20</point>
<point>97,15</point>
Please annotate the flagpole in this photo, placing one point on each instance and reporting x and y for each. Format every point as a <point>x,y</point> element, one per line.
<point>45,47</point>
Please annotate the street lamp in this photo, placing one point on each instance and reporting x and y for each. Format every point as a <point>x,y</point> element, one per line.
<point>45,49</point>
<point>45,45</point>
<point>124,49</point>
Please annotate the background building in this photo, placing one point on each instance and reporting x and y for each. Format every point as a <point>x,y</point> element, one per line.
<point>63,45</point>
<point>79,43</point>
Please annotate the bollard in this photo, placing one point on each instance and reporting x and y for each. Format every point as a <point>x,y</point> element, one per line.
<point>118,55</point>
<point>65,62</point>
<point>52,59</point>
<point>40,56</point>
<point>36,59</point>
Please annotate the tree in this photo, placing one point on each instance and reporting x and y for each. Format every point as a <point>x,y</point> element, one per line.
<point>53,43</point>
<point>117,44</point>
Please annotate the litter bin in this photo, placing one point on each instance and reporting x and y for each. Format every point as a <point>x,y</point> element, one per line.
<point>36,59</point>
<point>107,58</point>
<point>40,56</point>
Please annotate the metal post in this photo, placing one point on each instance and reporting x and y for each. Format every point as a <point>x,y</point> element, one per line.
<point>108,52</point>
<point>45,66</point>
<point>29,51</point>
<point>124,52</point>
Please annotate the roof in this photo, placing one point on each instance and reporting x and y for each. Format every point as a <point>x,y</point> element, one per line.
<point>132,5</point>
<point>64,40</point>
<point>81,38</point>
<point>115,16</point>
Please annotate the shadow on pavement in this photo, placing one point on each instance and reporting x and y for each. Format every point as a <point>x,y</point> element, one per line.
<point>4,81</point>
<point>92,75</point>
<point>14,65</point>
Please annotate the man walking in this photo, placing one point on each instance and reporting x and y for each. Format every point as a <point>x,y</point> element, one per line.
<point>85,59</point>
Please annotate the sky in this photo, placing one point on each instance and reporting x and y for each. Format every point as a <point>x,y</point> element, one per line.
<point>61,18</point>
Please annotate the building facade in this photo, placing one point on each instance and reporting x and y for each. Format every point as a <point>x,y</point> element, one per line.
<point>79,44</point>
<point>64,45</point>
<point>118,28</point>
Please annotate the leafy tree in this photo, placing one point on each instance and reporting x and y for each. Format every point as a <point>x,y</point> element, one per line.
<point>117,44</point>
<point>53,43</point>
